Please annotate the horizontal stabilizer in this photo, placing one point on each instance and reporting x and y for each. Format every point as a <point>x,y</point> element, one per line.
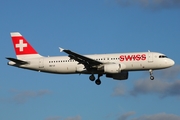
<point>20,62</point>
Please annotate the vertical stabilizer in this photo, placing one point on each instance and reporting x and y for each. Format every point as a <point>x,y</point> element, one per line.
<point>22,48</point>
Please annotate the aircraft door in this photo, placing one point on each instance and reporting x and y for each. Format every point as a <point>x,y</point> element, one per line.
<point>150,57</point>
<point>41,63</point>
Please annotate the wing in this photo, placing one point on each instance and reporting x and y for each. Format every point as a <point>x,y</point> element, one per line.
<point>86,61</point>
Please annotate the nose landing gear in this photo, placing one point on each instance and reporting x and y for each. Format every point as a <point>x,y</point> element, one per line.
<point>151,74</point>
<point>152,77</point>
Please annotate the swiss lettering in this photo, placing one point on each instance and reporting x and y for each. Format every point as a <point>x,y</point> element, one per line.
<point>136,57</point>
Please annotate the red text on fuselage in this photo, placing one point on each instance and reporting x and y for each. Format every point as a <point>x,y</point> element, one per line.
<point>136,57</point>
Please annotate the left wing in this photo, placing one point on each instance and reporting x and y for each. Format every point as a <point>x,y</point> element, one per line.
<point>86,61</point>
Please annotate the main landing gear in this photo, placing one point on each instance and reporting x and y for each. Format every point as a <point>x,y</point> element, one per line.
<point>92,78</point>
<point>151,74</point>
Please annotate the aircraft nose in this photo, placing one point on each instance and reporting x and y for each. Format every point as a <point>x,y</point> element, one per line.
<point>171,62</point>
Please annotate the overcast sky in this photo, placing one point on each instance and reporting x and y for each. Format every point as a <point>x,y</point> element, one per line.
<point>90,27</point>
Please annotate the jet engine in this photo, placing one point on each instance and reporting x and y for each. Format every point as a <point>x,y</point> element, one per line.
<point>113,68</point>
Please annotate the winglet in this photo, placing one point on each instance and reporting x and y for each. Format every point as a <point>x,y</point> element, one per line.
<point>61,49</point>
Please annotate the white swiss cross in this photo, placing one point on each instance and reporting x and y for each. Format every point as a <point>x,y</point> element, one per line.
<point>21,45</point>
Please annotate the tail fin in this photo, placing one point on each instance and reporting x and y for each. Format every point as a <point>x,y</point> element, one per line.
<point>22,48</point>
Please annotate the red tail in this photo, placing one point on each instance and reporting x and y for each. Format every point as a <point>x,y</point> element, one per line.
<point>21,46</point>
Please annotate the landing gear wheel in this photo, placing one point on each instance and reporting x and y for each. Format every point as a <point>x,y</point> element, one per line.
<point>92,78</point>
<point>98,82</point>
<point>151,74</point>
<point>152,77</point>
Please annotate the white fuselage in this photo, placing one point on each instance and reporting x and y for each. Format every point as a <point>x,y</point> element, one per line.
<point>129,62</point>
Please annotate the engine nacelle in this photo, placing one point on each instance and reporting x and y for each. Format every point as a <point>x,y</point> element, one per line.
<point>119,76</point>
<point>113,68</point>
<point>81,69</point>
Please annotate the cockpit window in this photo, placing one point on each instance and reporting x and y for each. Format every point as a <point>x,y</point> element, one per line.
<point>163,56</point>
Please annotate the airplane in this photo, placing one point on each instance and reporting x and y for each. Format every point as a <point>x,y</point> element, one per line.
<point>116,66</point>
